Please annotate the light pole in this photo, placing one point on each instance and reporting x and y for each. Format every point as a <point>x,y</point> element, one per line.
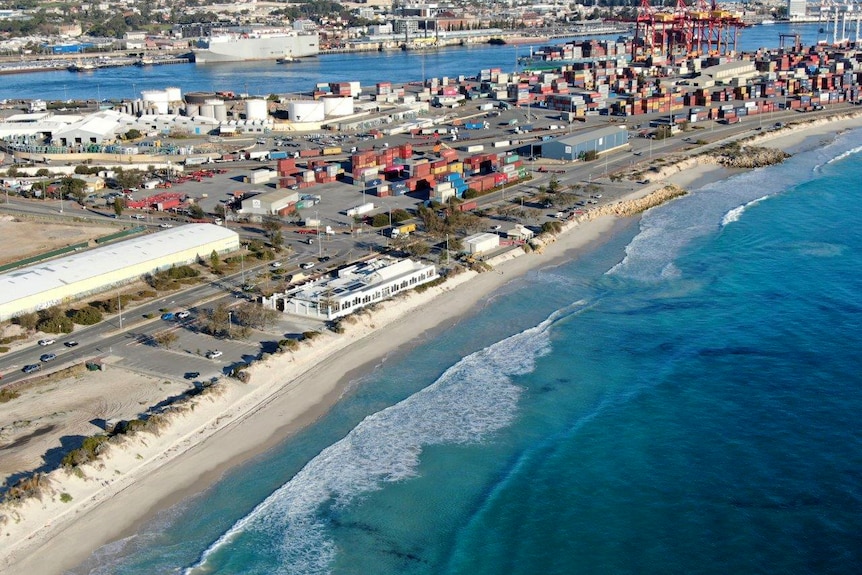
<point>120,309</point>
<point>229,322</point>
<point>242,264</point>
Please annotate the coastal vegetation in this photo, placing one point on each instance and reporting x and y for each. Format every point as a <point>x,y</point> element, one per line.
<point>735,155</point>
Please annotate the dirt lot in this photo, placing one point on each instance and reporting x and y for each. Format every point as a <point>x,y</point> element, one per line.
<point>25,237</point>
<point>54,414</point>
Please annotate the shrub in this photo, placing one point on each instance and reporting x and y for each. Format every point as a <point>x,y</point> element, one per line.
<point>7,395</point>
<point>26,320</point>
<point>309,335</point>
<point>86,316</point>
<point>65,497</point>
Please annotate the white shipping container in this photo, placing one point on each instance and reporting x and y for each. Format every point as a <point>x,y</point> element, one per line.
<point>474,148</point>
<point>361,209</point>
<point>501,144</point>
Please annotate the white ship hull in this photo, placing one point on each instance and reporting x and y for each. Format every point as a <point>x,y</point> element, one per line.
<point>240,49</point>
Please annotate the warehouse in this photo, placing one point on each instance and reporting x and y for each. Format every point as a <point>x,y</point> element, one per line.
<point>354,287</point>
<point>574,146</point>
<point>269,203</point>
<point>62,280</point>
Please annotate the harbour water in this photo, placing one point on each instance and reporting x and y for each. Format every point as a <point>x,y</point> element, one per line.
<point>264,78</point>
<point>682,398</point>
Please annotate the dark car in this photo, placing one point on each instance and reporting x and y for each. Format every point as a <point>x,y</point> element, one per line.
<point>48,357</point>
<point>192,374</point>
<point>71,343</point>
<point>31,368</point>
<point>324,259</point>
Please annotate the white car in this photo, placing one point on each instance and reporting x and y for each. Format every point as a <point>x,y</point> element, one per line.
<point>307,265</point>
<point>214,354</point>
<point>165,226</point>
<point>182,314</point>
<point>495,228</point>
<point>44,342</point>
<point>275,264</point>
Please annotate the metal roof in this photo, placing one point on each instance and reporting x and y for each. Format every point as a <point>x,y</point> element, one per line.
<point>100,261</point>
<point>583,137</point>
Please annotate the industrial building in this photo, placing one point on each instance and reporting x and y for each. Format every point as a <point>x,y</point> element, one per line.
<point>482,243</point>
<point>269,203</point>
<point>574,146</point>
<point>353,288</point>
<point>62,280</point>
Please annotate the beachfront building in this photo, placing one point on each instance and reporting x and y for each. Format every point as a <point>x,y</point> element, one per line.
<point>62,280</point>
<point>574,146</point>
<point>353,288</point>
<point>482,243</point>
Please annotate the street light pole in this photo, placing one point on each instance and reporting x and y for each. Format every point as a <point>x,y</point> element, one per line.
<point>120,309</point>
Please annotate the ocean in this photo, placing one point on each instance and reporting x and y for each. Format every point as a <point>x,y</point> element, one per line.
<point>683,397</point>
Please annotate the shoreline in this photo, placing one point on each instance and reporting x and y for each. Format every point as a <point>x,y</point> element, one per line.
<point>133,483</point>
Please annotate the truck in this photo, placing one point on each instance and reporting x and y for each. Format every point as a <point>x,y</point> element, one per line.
<point>402,230</point>
<point>260,156</point>
<point>360,209</point>
<point>474,126</point>
<point>196,160</point>
<point>278,155</point>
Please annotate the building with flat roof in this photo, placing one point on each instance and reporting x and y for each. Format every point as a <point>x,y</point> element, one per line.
<point>574,146</point>
<point>62,280</point>
<point>482,242</point>
<point>353,288</point>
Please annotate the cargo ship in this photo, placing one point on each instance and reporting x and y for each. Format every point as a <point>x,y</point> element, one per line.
<point>255,45</point>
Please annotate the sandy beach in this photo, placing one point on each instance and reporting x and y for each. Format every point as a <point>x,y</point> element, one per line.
<point>147,473</point>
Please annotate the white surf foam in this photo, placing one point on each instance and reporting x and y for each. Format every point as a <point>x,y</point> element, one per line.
<point>667,230</point>
<point>471,400</point>
<point>736,213</point>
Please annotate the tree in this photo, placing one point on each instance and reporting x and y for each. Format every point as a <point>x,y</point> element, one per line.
<point>73,187</point>
<point>165,338</point>
<point>129,179</point>
<point>215,262</point>
<point>217,321</point>
<point>554,185</point>
<point>220,211</point>
<point>119,205</point>
<point>197,212</point>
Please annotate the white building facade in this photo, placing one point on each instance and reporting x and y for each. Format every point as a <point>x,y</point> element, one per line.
<point>353,288</point>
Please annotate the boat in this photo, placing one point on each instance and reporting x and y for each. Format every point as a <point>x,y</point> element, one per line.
<point>144,62</point>
<point>255,45</point>
<point>286,60</point>
<point>82,67</point>
<point>766,22</point>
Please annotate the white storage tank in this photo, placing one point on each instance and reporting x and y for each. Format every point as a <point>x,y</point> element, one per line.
<point>193,110</point>
<point>305,111</point>
<point>156,99</point>
<point>220,112</point>
<point>337,106</point>
<point>256,109</point>
<point>174,94</point>
<point>208,110</point>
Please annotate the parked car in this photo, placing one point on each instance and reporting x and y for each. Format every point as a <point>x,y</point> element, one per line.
<point>165,226</point>
<point>44,342</point>
<point>192,374</point>
<point>31,368</point>
<point>48,357</point>
<point>324,259</point>
<point>214,354</point>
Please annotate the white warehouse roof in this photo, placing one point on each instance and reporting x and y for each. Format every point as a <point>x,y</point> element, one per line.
<point>58,280</point>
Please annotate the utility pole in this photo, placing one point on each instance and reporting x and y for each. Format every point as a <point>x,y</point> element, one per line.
<point>120,309</point>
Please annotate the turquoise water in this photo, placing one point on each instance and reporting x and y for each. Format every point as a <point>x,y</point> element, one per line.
<point>684,398</point>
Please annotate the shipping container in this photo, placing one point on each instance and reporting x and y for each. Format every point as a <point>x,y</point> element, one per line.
<point>360,209</point>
